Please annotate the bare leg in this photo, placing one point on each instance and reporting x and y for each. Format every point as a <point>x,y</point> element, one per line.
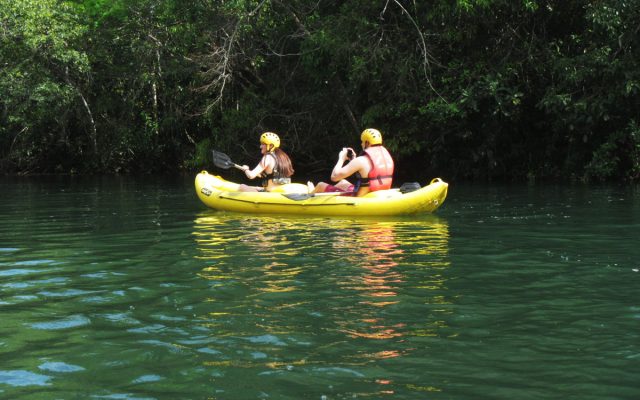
<point>320,187</point>
<point>247,188</point>
<point>343,185</point>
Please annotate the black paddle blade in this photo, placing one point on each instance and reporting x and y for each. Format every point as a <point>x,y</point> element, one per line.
<point>222,160</point>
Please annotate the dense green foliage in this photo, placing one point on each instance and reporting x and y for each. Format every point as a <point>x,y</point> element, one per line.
<point>482,89</point>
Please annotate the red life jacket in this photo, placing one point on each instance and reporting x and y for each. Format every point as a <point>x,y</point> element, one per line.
<point>381,174</point>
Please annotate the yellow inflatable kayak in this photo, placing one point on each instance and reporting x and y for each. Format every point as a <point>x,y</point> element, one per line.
<point>219,194</point>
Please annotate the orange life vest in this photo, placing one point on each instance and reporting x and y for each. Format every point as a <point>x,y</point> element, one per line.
<point>381,174</point>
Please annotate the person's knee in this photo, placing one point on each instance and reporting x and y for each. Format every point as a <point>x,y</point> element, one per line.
<point>343,185</point>
<point>247,188</point>
<point>321,187</point>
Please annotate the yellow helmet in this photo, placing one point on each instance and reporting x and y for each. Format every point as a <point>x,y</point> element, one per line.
<point>270,138</point>
<point>373,136</point>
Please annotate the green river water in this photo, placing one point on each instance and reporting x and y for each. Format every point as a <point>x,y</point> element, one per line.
<point>131,289</point>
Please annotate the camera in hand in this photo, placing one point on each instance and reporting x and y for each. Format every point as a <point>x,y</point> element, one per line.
<point>351,154</point>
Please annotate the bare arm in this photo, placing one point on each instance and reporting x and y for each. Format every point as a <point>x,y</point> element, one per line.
<point>261,167</point>
<point>341,171</point>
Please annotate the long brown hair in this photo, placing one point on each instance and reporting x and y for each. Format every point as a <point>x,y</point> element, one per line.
<point>284,163</point>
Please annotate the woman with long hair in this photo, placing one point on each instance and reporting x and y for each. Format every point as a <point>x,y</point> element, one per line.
<point>274,168</point>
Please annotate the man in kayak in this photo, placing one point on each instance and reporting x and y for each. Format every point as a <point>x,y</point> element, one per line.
<point>373,168</point>
<point>274,168</point>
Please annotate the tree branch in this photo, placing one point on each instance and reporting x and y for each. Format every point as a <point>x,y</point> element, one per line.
<point>423,44</point>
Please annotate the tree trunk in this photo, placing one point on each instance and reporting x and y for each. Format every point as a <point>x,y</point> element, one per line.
<point>93,135</point>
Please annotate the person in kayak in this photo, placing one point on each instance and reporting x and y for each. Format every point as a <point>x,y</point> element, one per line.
<point>373,168</point>
<point>274,168</point>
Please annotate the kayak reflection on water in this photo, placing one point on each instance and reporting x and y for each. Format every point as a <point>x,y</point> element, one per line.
<point>311,292</point>
<point>388,252</point>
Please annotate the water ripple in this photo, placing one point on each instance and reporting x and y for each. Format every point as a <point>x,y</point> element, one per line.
<point>70,322</point>
<point>23,378</point>
<point>60,367</point>
<point>147,378</point>
<point>17,272</point>
<point>266,339</point>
